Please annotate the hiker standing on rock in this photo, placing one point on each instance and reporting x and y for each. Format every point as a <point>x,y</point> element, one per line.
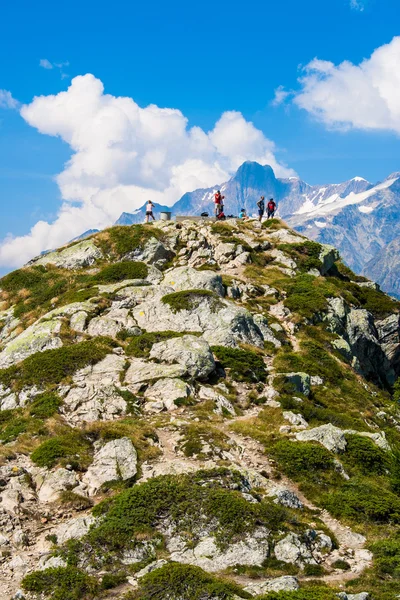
<point>149,211</point>
<point>271,208</point>
<point>218,203</point>
<point>261,208</point>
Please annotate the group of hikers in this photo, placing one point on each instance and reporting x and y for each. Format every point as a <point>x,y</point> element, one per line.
<point>219,208</point>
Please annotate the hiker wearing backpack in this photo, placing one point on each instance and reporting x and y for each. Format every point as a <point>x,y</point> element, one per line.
<point>218,203</point>
<point>149,211</point>
<point>271,208</point>
<point>261,208</point>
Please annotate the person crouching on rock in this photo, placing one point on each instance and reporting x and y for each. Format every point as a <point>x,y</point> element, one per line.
<point>149,211</point>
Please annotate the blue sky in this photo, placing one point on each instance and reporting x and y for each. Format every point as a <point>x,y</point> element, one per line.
<point>204,59</point>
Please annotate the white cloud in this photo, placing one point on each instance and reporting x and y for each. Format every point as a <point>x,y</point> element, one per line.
<point>123,154</point>
<point>364,96</point>
<point>46,64</point>
<point>7,101</point>
<point>357,5</point>
<point>280,96</point>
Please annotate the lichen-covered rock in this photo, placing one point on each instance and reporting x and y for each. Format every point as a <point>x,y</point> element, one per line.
<point>81,254</point>
<point>294,419</point>
<point>222,404</point>
<point>328,435</point>
<point>38,337</point>
<point>111,322</point>
<point>115,461</point>
<point>193,353</point>
<point>187,278</point>
<point>73,529</point>
<point>94,394</point>
<point>328,256</point>
<point>169,392</point>
<point>286,583</point>
<point>50,484</point>
<point>154,252</point>
<point>140,372</point>
<point>309,549</point>
<point>252,551</point>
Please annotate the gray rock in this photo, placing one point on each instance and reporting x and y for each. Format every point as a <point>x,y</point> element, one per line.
<point>343,347</point>
<point>191,352</point>
<point>389,337</point>
<point>300,381</point>
<point>167,391</point>
<point>187,278</point>
<point>141,372</point>
<point>38,337</point>
<point>286,583</point>
<point>81,254</point>
<point>94,395</point>
<point>268,334</point>
<point>293,551</point>
<point>360,596</point>
<point>154,253</point>
<point>73,529</point>
<point>110,323</point>
<point>295,419</point>
<point>222,404</point>
<point>115,461</point>
<point>51,562</point>
<point>328,256</point>
<point>328,435</point>
<point>50,484</point>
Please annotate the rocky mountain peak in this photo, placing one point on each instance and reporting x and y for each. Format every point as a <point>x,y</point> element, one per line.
<point>198,410</point>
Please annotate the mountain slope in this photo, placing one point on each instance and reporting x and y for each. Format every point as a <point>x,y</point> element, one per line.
<point>198,411</point>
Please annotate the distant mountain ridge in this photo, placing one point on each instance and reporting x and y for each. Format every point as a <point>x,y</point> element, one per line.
<point>358,217</point>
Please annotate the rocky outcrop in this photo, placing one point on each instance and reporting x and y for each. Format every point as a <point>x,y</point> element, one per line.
<point>78,255</point>
<point>191,352</point>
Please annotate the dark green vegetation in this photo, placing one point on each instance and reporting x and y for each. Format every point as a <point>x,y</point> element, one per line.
<point>188,299</point>
<point>243,365</point>
<point>307,295</point>
<point>70,448</point>
<point>180,500</point>
<point>306,254</point>
<point>140,345</point>
<point>185,581</point>
<point>63,583</point>
<point>312,593</point>
<point>52,366</point>
<point>45,405</point>
<point>120,271</point>
<point>196,435</point>
<point>120,240</point>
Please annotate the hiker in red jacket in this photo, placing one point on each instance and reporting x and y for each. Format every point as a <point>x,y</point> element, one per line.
<point>271,208</point>
<point>218,203</point>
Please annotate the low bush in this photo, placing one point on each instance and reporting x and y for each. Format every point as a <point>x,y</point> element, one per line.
<point>73,501</point>
<point>314,570</point>
<point>365,456</point>
<point>306,254</point>
<point>313,359</point>
<point>71,448</point>
<point>62,583</point>
<point>12,424</point>
<point>302,458</point>
<point>45,405</point>
<point>188,299</point>
<point>363,502</point>
<point>52,366</point>
<point>312,593</point>
<point>177,581</point>
<point>307,295</point>
<point>341,564</point>
<point>112,580</point>
<point>121,240</point>
<point>243,365</point>
<point>121,270</point>
<point>387,557</point>
<point>181,500</point>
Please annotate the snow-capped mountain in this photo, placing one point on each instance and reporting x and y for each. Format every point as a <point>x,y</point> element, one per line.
<point>358,217</point>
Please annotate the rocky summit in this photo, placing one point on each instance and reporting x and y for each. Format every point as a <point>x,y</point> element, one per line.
<point>197,411</point>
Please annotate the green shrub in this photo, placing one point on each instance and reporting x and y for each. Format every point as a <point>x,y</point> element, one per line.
<point>307,295</point>
<point>26,278</point>
<point>125,239</point>
<point>313,358</point>
<point>188,299</point>
<point>52,366</point>
<point>387,557</point>
<point>45,405</point>
<point>62,583</point>
<point>140,345</point>
<point>120,271</point>
<point>112,580</point>
<point>71,447</point>
<point>244,365</point>
<point>365,455</point>
<point>396,391</point>
<point>181,500</point>
<point>341,564</point>
<point>362,501</point>
<point>74,501</point>
<point>12,424</point>
<point>272,224</point>
<point>306,254</point>
<point>302,458</point>
<point>177,581</point>
<point>314,570</point>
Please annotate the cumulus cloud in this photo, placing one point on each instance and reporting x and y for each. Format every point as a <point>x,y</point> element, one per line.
<point>7,101</point>
<point>364,96</point>
<point>281,95</point>
<point>123,154</point>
